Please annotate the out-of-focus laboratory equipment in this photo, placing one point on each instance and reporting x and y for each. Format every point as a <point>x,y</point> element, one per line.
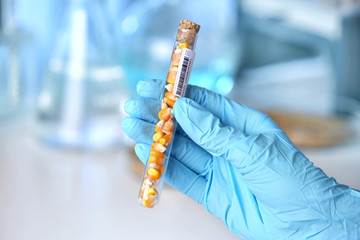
<point>84,85</point>
<point>300,66</point>
<point>16,63</point>
<point>145,30</point>
<point>43,26</point>
<point>347,55</point>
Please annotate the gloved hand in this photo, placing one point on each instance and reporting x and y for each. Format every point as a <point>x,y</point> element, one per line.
<point>242,168</point>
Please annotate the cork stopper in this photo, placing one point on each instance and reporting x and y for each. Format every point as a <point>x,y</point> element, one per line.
<point>187,32</point>
<point>186,24</point>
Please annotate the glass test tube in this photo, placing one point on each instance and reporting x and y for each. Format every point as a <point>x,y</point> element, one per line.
<point>177,78</point>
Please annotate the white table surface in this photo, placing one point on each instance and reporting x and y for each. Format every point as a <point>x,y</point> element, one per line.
<point>49,194</point>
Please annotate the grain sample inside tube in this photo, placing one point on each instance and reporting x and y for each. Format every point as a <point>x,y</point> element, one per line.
<point>176,81</point>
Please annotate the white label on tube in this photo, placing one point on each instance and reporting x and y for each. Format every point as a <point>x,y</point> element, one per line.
<point>184,70</point>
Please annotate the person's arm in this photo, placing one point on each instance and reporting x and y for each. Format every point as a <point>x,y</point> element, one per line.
<point>242,168</point>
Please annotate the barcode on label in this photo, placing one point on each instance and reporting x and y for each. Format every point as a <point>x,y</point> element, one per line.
<point>179,88</point>
<point>182,77</point>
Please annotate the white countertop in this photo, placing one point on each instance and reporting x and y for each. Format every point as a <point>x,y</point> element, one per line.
<point>49,194</point>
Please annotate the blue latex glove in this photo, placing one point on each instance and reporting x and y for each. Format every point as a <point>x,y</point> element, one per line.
<point>242,168</point>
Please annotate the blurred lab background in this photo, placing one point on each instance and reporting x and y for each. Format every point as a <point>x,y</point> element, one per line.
<point>67,171</point>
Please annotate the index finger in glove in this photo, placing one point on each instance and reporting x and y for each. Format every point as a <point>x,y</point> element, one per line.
<point>153,88</point>
<point>247,120</point>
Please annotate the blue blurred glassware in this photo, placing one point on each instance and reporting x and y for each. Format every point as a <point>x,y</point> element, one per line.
<point>145,33</point>
<point>16,64</point>
<point>347,55</point>
<point>83,87</point>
